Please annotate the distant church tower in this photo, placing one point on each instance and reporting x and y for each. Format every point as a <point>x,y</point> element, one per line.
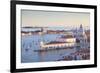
<point>81,31</point>
<point>81,36</point>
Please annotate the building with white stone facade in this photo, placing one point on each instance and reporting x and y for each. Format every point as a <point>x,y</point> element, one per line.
<point>77,39</point>
<point>81,37</point>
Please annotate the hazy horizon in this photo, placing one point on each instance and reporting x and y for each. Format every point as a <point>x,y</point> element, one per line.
<point>37,18</point>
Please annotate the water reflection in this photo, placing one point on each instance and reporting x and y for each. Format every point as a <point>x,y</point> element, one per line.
<point>32,43</point>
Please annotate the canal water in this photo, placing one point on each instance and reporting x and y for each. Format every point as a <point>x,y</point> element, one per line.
<point>30,43</point>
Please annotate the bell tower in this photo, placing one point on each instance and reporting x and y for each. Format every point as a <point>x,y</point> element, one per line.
<point>81,37</point>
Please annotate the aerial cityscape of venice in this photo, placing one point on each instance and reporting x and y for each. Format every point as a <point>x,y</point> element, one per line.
<point>54,36</point>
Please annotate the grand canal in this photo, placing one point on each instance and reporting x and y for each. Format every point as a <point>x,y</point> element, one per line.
<point>30,43</point>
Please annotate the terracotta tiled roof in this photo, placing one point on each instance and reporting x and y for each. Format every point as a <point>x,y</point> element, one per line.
<point>67,36</point>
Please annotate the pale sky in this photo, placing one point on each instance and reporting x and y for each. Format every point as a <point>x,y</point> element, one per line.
<point>36,18</point>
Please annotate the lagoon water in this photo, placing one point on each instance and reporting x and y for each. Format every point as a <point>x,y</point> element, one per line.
<point>30,43</point>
